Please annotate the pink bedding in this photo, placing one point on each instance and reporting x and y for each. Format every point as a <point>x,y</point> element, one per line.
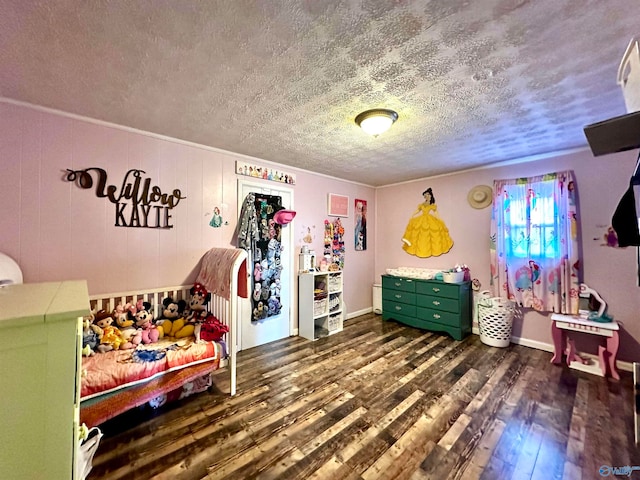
<point>111,371</point>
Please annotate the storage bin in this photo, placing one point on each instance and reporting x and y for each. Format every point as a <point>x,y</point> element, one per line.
<point>495,320</point>
<point>629,76</point>
<point>319,307</point>
<point>453,277</point>
<point>334,302</point>
<point>335,322</point>
<point>335,282</point>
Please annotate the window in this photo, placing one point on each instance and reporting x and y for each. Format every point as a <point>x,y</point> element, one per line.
<point>530,228</point>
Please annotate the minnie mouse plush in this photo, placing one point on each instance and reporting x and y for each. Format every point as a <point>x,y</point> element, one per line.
<point>200,297</point>
<point>144,321</point>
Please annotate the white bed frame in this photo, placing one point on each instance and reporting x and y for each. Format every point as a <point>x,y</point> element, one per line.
<point>225,310</point>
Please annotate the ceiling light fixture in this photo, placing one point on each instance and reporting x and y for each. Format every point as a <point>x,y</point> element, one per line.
<point>376,121</point>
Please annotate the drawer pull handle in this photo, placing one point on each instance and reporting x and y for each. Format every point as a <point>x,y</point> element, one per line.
<point>398,284</point>
<point>398,308</point>
<point>435,302</point>
<point>435,289</point>
<point>435,315</point>
<point>398,296</point>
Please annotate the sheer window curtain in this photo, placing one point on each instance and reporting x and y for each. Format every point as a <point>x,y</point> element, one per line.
<point>534,242</point>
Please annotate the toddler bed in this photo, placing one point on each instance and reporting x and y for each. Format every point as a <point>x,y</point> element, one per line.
<point>118,380</point>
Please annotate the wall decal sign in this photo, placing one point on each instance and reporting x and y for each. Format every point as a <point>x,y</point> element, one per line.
<point>264,173</point>
<point>146,206</point>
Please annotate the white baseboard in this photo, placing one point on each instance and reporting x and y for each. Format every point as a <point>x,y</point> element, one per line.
<point>359,312</point>
<point>547,347</point>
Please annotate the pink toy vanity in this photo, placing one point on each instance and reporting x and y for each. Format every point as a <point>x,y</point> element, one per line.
<point>562,325</point>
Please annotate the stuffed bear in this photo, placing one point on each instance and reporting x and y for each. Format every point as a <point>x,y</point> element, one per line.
<point>110,336</point>
<point>124,321</point>
<point>144,321</point>
<point>171,312</point>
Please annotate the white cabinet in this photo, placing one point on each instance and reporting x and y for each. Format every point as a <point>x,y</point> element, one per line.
<point>320,304</point>
<point>40,357</point>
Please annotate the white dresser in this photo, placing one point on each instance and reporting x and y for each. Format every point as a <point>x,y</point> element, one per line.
<point>40,357</point>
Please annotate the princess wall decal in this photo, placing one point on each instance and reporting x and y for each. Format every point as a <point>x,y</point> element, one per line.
<point>426,234</point>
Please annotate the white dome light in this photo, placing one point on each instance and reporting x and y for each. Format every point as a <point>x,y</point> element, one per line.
<point>376,121</point>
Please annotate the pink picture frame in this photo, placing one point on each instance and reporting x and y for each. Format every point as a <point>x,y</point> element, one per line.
<point>337,205</point>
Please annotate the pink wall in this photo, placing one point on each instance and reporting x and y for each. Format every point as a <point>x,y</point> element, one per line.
<point>600,181</point>
<point>58,231</point>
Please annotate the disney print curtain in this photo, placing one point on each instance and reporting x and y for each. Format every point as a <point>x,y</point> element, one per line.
<point>534,242</point>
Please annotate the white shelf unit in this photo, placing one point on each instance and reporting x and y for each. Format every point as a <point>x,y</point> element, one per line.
<point>320,304</point>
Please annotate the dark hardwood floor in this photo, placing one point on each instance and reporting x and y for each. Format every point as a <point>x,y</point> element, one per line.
<point>383,401</point>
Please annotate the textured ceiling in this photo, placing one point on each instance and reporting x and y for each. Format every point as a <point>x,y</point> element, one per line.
<point>474,82</point>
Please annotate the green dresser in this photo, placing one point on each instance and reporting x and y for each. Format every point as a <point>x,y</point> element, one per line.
<point>428,304</point>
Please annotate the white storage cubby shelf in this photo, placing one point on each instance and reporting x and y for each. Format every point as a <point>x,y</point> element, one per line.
<point>320,304</point>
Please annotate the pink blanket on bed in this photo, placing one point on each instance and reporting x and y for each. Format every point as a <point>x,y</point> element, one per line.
<point>110,371</point>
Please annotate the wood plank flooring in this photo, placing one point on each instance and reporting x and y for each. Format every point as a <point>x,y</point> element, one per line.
<point>381,400</point>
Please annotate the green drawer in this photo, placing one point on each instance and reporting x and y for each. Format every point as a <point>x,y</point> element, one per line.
<point>398,283</point>
<point>399,296</point>
<point>439,303</point>
<point>438,316</point>
<point>438,289</point>
<point>389,309</point>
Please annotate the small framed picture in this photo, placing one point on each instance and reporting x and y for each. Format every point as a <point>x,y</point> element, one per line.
<point>338,205</point>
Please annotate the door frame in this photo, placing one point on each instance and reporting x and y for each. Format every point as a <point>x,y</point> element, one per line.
<point>268,188</point>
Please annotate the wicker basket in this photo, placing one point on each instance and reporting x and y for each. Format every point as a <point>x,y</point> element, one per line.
<point>495,319</point>
<point>319,307</point>
<point>335,322</point>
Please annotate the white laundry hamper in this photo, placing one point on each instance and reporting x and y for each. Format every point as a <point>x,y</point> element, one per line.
<point>495,320</point>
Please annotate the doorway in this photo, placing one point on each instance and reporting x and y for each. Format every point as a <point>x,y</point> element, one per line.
<point>259,324</point>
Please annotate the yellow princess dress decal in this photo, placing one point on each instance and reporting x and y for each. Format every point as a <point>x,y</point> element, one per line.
<point>426,234</point>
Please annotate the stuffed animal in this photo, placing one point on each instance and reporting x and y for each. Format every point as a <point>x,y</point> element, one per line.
<point>259,312</point>
<point>90,339</point>
<point>197,307</point>
<point>171,312</point>
<point>110,336</point>
<point>144,321</point>
<point>122,317</point>
<point>212,329</point>
<point>274,306</point>
<point>194,314</point>
<point>257,290</point>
